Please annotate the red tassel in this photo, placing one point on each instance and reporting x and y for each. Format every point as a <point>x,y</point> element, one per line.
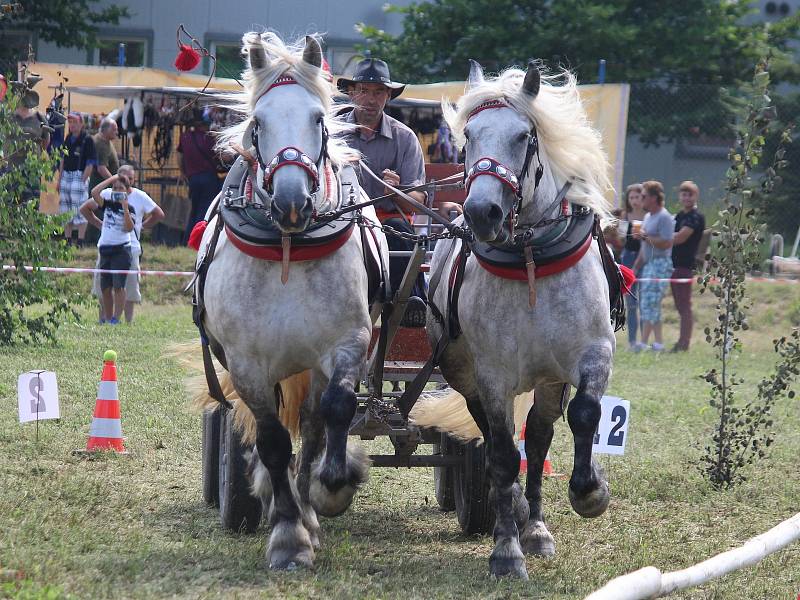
<point>197,235</point>
<point>628,278</point>
<point>187,59</point>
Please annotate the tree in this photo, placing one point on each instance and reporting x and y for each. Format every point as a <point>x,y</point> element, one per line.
<point>32,303</point>
<point>678,53</point>
<point>68,23</point>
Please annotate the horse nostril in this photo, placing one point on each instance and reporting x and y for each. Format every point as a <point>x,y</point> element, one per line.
<point>495,213</point>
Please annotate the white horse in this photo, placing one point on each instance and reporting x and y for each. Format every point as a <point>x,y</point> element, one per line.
<point>509,347</point>
<point>272,320</point>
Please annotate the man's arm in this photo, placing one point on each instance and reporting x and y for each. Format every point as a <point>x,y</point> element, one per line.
<point>100,187</point>
<point>153,217</point>
<point>411,171</point>
<point>87,210</point>
<point>682,235</point>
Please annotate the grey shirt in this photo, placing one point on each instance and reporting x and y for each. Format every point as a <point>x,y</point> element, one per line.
<point>394,146</point>
<point>662,225</point>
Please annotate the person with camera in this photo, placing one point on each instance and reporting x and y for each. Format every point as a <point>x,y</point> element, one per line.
<point>114,245</point>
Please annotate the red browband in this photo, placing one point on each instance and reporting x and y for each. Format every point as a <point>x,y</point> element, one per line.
<point>486,105</point>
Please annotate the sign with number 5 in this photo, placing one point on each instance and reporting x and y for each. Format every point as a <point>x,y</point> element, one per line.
<point>38,396</point>
<point>612,431</point>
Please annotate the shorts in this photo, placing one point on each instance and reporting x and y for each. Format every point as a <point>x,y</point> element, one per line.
<point>73,191</point>
<point>651,292</point>
<point>132,291</point>
<point>117,258</point>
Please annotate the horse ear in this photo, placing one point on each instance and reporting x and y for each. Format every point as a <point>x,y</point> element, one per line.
<point>312,53</point>
<point>475,74</point>
<point>532,80</point>
<point>257,57</point>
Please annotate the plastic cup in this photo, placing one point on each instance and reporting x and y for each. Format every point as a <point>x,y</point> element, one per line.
<point>637,226</point>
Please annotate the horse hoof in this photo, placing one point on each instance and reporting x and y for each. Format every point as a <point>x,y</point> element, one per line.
<point>331,501</point>
<point>537,541</point>
<point>508,567</point>
<point>593,504</point>
<point>290,547</point>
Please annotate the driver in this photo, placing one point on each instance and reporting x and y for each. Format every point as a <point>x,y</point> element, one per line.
<point>391,151</point>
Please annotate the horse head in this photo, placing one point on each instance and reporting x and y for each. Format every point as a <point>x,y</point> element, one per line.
<point>287,130</point>
<point>499,142</point>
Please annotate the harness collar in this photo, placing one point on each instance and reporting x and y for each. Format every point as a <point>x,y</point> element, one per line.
<point>296,253</point>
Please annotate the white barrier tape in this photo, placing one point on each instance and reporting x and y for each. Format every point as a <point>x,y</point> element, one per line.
<point>391,253</point>
<point>110,271</point>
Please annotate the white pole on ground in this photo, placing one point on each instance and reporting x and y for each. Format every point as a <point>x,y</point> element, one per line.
<point>649,582</point>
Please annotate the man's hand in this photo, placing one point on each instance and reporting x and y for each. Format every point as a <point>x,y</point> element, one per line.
<point>391,178</point>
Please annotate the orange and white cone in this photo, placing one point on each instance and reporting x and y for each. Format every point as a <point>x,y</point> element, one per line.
<point>547,468</point>
<point>106,430</point>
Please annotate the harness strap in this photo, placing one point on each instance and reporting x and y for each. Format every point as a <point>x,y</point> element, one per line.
<point>616,282</point>
<point>212,381</point>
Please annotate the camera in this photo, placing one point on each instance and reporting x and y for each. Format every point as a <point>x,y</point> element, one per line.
<point>118,197</point>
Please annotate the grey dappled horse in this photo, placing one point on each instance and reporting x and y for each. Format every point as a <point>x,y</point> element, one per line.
<point>317,320</point>
<point>508,348</point>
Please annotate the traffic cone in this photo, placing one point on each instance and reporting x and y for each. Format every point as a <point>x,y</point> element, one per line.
<point>547,468</point>
<point>106,430</point>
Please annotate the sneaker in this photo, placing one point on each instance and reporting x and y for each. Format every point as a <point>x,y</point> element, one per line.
<point>678,348</point>
<point>416,310</point>
<point>101,322</point>
<point>637,347</point>
<point>113,321</point>
<point>656,347</point>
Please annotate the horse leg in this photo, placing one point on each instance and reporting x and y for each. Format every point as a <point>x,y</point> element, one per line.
<point>343,467</point>
<point>312,430</point>
<point>289,543</point>
<point>588,489</point>
<point>535,538</point>
<point>503,467</point>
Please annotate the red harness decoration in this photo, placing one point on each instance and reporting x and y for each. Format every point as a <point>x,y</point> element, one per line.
<point>296,253</point>
<point>520,274</point>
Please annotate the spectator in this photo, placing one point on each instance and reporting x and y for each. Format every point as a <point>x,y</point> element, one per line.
<point>392,151</point>
<point>689,226</point>
<point>114,245</point>
<point>34,127</point>
<point>107,161</point>
<point>655,261</point>
<point>198,165</point>
<point>73,174</point>
<point>146,213</point>
<point>634,213</point>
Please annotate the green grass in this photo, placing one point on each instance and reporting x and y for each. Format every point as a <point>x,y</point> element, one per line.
<point>136,526</point>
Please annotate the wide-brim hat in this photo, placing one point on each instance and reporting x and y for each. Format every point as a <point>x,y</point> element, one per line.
<point>372,70</point>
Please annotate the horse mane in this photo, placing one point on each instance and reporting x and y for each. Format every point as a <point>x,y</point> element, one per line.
<point>283,59</point>
<point>571,147</point>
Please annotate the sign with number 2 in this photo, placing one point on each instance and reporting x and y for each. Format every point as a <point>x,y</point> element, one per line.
<point>37,392</point>
<point>612,431</point>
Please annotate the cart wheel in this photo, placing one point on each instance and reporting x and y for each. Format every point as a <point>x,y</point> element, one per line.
<point>443,476</point>
<point>210,443</point>
<point>238,509</point>
<point>471,485</point>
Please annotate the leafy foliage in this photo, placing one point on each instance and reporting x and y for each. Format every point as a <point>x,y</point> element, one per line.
<point>663,47</point>
<point>744,432</point>
<point>32,303</point>
<point>68,23</point>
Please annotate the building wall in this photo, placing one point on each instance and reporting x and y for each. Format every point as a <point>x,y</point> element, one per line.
<point>224,21</point>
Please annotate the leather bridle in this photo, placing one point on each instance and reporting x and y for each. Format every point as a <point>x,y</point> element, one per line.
<point>290,155</point>
<point>487,165</point>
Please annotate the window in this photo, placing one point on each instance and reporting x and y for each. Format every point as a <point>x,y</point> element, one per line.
<point>15,47</point>
<point>120,52</point>
<point>230,62</point>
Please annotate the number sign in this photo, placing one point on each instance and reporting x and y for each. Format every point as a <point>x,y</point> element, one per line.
<point>612,431</point>
<point>37,392</point>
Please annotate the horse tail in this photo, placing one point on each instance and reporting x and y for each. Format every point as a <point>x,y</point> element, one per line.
<point>446,411</point>
<point>293,392</point>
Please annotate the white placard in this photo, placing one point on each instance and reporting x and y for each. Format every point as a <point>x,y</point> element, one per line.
<point>612,431</point>
<point>38,396</point>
